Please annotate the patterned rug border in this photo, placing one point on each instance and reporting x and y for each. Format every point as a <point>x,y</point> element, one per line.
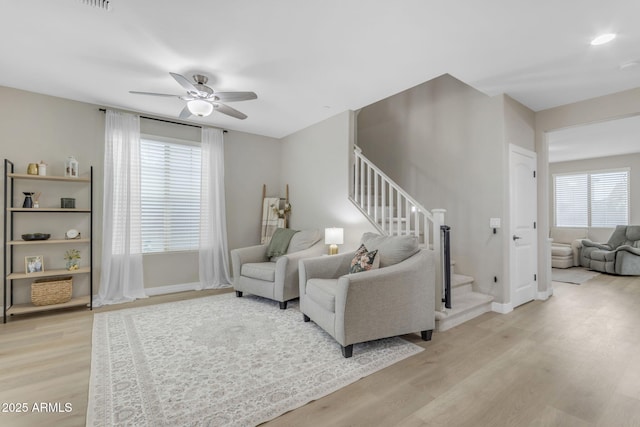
<point>118,349</point>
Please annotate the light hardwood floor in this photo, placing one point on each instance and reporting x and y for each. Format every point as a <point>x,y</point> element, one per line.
<point>573,360</point>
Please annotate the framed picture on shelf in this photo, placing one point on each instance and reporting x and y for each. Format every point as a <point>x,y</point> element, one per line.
<point>33,264</point>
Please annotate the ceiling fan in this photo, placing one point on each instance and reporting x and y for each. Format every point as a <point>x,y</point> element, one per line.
<point>202,100</point>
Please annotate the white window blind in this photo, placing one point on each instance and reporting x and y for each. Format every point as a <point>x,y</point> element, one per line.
<point>592,199</point>
<point>170,187</point>
<point>609,199</point>
<point>571,200</point>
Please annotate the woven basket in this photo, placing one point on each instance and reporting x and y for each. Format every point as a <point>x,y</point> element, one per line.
<point>49,291</point>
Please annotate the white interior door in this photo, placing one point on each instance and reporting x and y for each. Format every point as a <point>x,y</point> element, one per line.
<point>523,219</point>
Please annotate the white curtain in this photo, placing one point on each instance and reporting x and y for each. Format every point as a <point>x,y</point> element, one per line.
<point>121,279</point>
<point>214,259</point>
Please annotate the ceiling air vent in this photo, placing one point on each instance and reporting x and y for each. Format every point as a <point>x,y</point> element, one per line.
<point>100,4</point>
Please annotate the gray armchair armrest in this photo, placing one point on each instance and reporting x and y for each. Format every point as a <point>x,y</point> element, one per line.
<point>629,249</point>
<point>323,267</point>
<point>241,256</point>
<point>287,270</point>
<point>589,243</point>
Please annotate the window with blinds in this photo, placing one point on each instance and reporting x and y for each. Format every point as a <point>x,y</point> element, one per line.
<point>592,199</point>
<point>170,188</point>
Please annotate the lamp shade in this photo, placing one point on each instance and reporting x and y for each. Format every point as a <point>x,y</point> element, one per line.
<point>199,107</point>
<point>333,236</point>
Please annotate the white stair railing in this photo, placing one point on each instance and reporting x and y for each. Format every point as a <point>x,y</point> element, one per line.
<point>390,209</point>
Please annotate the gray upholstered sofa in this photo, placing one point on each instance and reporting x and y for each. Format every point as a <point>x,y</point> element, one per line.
<point>396,298</point>
<point>566,245</point>
<point>275,278</point>
<point>620,255</point>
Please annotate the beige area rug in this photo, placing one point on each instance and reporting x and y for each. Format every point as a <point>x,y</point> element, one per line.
<point>218,361</point>
<point>575,275</point>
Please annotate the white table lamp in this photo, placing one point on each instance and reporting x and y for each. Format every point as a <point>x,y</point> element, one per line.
<point>333,237</point>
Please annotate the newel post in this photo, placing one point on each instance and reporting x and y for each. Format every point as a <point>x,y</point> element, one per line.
<point>438,220</point>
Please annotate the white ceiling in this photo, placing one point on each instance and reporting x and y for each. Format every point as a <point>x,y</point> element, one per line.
<point>602,139</point>
<point>309,60</point>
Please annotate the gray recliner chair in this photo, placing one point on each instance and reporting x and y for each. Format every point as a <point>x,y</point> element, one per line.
<point>620,255</point>
<point>274,278</point>
<point>397,298</point>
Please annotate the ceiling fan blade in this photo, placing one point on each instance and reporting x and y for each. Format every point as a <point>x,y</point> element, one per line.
<point>154,94</point>
<point>225,109</point>
<point>182,81</point>
<point>185,113</point>
<point>234,96</point>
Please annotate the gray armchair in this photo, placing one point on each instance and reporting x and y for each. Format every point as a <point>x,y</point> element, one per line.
<point>396,299</point>
<point>620,255</point>
<point>277,278</point>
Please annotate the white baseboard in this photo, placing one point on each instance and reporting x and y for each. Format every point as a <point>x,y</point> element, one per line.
<point>544,295</point>
<point>501,308</point>
<point>171,289</point>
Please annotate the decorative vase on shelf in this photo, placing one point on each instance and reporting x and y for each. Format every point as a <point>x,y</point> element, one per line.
<point>28,201</point>
<point>42,168</point>
<point>71,167</point>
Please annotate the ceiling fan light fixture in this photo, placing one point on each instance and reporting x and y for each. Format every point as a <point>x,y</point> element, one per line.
<point>200,108</point>
<point>602,39</point>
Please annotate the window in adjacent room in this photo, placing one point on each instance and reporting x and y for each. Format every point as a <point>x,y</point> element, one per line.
<point>170,187</point>
<point>591,199</point>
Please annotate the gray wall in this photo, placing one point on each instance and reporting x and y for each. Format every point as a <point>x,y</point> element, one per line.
<point>444,142</point>
<point>36,127</point>
<point>315,165</point>
<point>608,107</point>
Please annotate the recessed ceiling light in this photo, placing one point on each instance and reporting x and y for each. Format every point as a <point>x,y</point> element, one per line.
<point>602,39</point>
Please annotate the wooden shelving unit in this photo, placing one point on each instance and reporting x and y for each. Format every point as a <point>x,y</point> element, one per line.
<point>30,308</point>
<point>47,242</point>
<point>20,278</point>
<point>41,210</point>
<point>48,178</point>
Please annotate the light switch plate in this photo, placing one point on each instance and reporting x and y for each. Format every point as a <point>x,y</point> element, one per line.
<point>494,222</point>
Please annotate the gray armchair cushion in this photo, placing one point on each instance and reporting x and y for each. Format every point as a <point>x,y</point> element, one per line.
<point>618,237</point>
<point>391,249</point>
<point>259,270</point>
<point>304,239</point>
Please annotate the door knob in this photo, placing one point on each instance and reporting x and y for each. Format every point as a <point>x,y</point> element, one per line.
<point>516,237</point>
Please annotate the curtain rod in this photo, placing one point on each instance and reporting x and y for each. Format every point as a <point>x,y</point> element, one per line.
<point>166,121</point>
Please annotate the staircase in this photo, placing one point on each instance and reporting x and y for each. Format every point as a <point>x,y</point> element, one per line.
<point>466,304</point>
<point>392,211</point>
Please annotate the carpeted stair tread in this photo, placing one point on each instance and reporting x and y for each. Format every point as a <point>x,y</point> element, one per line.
<point>465,307</point>
<point>460,280</point>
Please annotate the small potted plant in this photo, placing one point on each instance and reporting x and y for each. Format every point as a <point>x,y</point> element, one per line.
<point>72,256</point>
